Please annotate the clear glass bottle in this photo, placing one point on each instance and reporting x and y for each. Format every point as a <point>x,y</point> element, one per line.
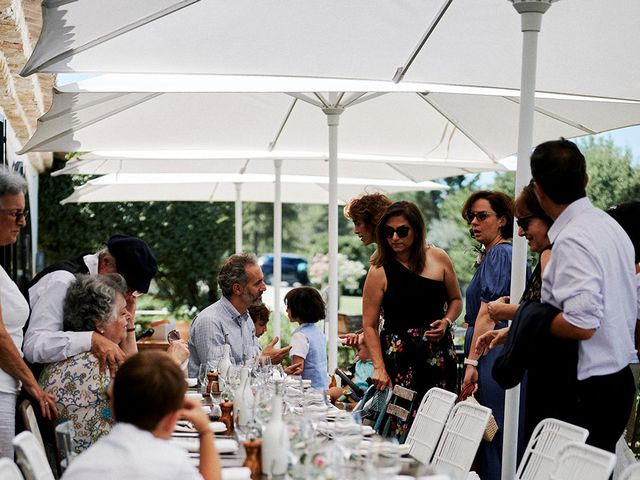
<point>275,439</point>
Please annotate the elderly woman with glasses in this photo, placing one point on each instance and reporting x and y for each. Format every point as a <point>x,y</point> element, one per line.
<point>416,286</point>
<point>490,217</point>
<point>14,311</point>
<point>93,303</point>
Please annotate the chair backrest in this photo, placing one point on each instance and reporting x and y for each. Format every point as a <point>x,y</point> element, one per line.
<point>29,419</point>
<point>400,406</point>
<point>578,461</point>
<point>548,438</point>
<point>429,422</point>
<point>31,458</point>
<point>632,472</point>
<point>460,440</point>
<point>373,406</point>
<point>9,470</point>
<point>65,443</point>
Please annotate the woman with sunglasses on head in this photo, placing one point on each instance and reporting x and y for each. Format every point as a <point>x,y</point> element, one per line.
<point>490,216</point>
<point>533,224</point>
<point>550,387</point>
<point>416,286</point>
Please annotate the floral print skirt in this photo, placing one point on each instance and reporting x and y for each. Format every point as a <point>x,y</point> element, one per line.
<point>414,362</point>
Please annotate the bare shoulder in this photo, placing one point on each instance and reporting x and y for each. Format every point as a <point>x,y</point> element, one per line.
<point>437,254</point>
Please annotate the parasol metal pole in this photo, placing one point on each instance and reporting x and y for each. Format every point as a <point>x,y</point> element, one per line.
<point>531,12</point>
<point>277,251</point>
<point>238,217</point>
<point>333,120</point>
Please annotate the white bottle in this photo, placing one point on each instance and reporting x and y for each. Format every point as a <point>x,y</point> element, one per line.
<point>275,439</point>
<point>225,361</point>
<point>243,400</point>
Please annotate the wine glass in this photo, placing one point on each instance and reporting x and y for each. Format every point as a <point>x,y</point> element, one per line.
<point>173,336</point>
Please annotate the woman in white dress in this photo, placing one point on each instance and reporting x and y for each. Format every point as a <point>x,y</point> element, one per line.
<point>14,311</point>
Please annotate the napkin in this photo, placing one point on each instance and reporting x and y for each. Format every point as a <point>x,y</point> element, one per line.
<point>236,473</point>
<point>192,382</point>
<point>223,445</point>
<point>217,427</point>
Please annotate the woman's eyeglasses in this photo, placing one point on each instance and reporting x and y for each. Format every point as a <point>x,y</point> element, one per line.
<point>402,231</point>
<point>481,216</point>
<point>16,214</point>
<point>524,222</point>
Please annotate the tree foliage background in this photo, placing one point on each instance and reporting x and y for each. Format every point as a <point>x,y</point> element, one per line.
<point>191,239</point>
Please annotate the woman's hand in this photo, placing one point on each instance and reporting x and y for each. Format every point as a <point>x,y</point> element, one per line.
<point>351,339</point>
<point>491,340</point>
<point>380,378</point>
<point>437,330</point>
<point>500,310</point>
<point>179,351</point>
<point>470,376</point>
<point>46,401</point>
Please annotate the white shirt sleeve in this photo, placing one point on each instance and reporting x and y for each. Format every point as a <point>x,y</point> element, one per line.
<point>577,285</point>
<point>299,345</point>
<point>45,341</point>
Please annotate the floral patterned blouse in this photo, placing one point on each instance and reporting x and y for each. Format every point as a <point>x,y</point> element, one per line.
<point>80,392</point>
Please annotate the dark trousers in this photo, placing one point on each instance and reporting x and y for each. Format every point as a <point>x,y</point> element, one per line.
<point>604,406</point>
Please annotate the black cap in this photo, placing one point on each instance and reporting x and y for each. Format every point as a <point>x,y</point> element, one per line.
<point>134,260</point>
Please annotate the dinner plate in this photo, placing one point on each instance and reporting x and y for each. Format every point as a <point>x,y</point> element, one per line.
<point>193,395</point>
<point>206,409</point>
<point>183,428</point>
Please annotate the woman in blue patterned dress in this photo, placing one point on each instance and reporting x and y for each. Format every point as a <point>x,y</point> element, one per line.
<point>92,303</point>
<point>490,217</point>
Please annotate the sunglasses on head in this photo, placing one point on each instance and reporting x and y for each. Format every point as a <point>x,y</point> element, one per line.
<point>481,216</point>
<point>524,222</point>
<point>402,231</point>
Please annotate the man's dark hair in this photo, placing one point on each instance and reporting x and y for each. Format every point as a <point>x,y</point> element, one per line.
<point>559,168</point>
<point>148,386</point>
<point>627,214</point>
<point>234,271</point>
<point>306,304</point>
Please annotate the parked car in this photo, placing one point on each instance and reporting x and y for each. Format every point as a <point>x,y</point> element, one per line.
<point>294,269</point>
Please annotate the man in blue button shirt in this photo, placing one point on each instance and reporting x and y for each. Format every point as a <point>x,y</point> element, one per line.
<point>591,278</point>
<point>228,320</point>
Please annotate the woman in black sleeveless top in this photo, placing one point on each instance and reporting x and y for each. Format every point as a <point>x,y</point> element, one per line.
<point>417,288</point>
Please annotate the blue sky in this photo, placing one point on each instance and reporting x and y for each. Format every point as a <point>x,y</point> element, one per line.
<point>626,137</point>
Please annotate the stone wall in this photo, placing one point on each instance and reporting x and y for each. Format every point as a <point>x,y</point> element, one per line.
<point>22,100</point>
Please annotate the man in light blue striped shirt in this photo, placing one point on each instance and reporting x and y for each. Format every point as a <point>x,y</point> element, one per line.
<point>228,320</point>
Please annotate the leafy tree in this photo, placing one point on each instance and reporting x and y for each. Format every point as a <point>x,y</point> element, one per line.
<point>613,178</point>
<point>189,239</point>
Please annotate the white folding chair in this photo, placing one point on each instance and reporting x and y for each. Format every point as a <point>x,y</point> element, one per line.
<point>549,436</point>
<point>632,472</point>
<point>31,458</point>
<point>460,440</point>
<point>430,419</point>
<point>9,470</point>
<point>29,419</point>
<point>578,461</point>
